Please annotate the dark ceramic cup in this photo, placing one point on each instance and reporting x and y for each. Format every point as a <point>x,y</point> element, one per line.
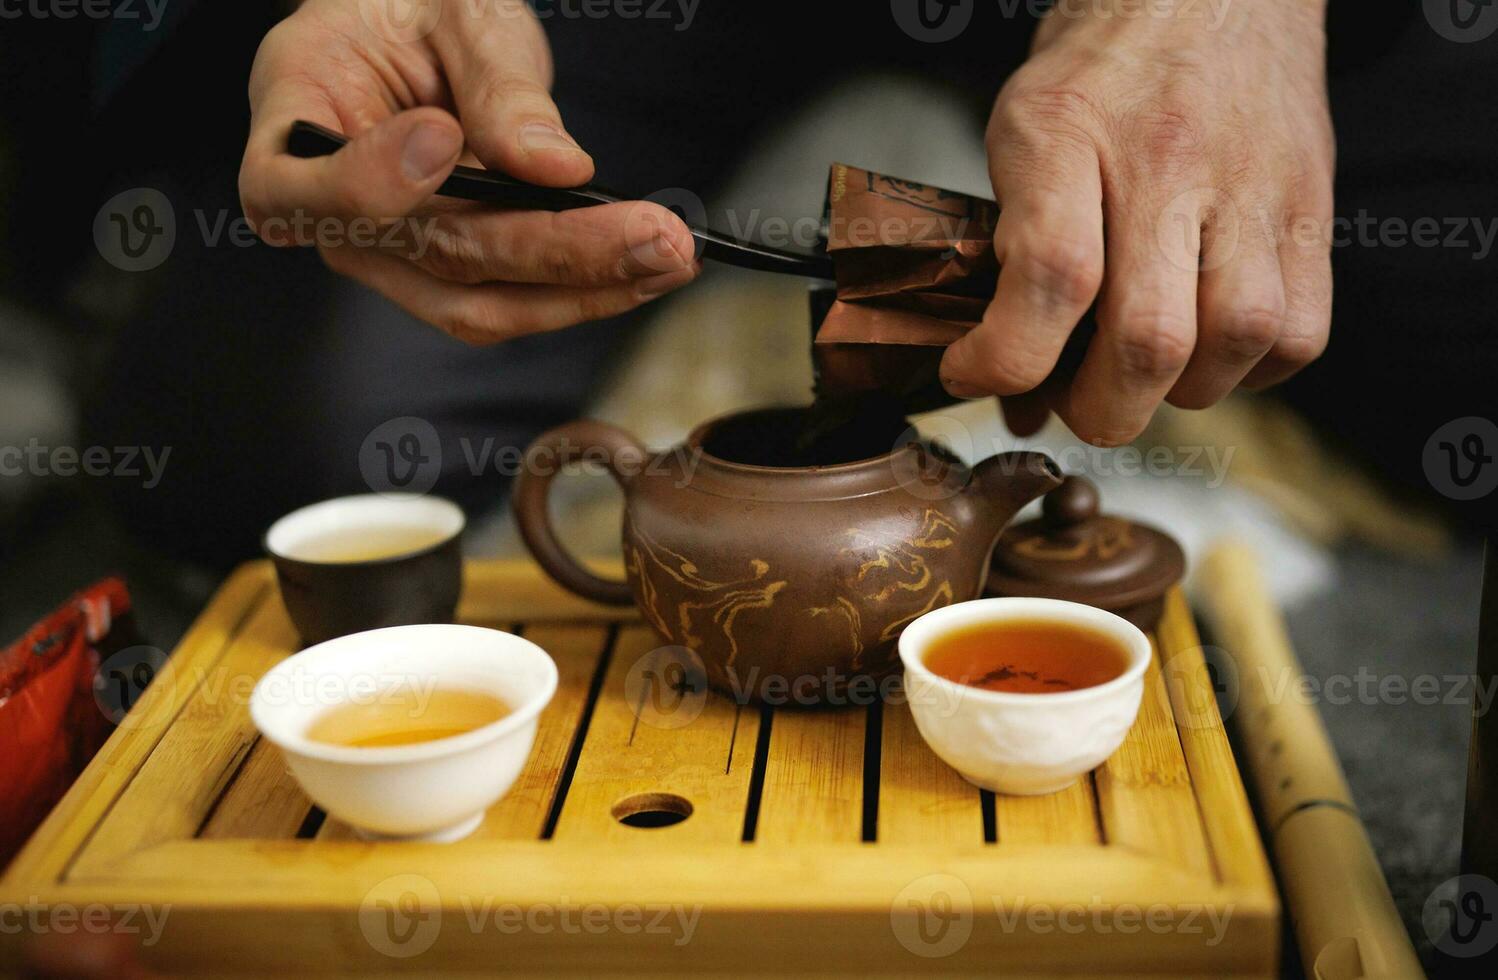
<point>337,578</point>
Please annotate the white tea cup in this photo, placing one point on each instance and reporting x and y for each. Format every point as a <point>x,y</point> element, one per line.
<point>1020,743</point>
<point>434,790</point>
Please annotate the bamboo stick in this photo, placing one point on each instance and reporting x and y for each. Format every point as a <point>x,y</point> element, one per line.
<point>1345,919</point>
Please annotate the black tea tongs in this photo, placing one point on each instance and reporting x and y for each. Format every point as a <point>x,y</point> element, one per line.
<point>488,187</point>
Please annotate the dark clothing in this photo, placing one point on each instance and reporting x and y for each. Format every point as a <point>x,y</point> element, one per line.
<point>265,372</point>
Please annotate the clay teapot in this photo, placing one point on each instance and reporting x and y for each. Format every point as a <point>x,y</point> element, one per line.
<point>788,575</point>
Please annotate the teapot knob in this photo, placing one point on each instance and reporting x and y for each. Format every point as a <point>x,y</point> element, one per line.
<point>1074,502</point>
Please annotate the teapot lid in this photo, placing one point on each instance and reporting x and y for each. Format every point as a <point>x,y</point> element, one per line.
<point>1073,552</point>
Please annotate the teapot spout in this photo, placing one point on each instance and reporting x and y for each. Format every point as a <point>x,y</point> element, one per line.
<point>1004,483</point>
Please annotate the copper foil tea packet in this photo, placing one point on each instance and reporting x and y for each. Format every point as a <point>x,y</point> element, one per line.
<point>915,269</point>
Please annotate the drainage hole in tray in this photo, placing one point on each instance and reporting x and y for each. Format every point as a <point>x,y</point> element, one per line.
<point>649,810</point>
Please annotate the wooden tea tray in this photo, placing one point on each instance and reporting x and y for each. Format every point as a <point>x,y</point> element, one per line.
<point>817,840</point>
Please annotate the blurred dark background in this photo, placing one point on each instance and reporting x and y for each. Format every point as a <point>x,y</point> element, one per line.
<point>250,364</point>
<point>259,374</point>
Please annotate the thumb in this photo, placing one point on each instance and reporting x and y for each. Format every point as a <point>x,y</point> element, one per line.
<point>499,70</point>
<point>384,172</point>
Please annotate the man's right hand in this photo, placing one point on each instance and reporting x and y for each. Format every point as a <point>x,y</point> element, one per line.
<point>420,86</point>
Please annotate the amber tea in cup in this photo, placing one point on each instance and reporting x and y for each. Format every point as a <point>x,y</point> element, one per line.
<point>407,716</point>
<point>373,544</point>
<point>1027,656</point>
<point>1023,695</point>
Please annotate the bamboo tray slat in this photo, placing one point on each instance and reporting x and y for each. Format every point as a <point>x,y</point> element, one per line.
<point>816,840</point>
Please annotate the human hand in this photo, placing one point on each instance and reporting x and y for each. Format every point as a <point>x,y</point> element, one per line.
<point>1180,174</point>
<point>411,83</point>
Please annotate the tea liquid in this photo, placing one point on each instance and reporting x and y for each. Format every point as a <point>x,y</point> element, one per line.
<point>367,544</point>
<point>1027,656</point>
<point>406,716</point>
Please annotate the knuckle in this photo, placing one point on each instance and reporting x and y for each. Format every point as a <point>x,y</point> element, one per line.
<point>557,263</point>
<point>255,204</point>
<point>258,219</point>
<point>1298,350</point>
<point>1014,375</point>
<point>1247,332</point>
<point>1061,106</point>
<point>251,199</point>
<point>1169,139</point>
<point>1029,124</point>
<point>598,304</point>
<point>514,92</point>
<point>1002,368</point>
<point>353,197</point>
<point>1069,271</point>
<point>474,323</point>
<point>1152,345</point>
<point>1310,183</point>
<point>455,257</point>
<point>1240,165</point>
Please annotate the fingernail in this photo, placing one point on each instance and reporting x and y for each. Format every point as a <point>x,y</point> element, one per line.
<point>660,285</point>
<point>659,255</point>
<point>539,136</point>
<point>959,390</point>
<point>429,149</point>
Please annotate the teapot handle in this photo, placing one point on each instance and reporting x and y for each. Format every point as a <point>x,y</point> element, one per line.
<point>622,454</point>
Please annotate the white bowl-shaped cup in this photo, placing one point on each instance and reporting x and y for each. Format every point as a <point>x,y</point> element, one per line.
<point>1022,744</point>
<point>436,790</point>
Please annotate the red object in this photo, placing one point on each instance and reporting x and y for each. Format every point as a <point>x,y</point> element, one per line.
<point>50,722</point>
